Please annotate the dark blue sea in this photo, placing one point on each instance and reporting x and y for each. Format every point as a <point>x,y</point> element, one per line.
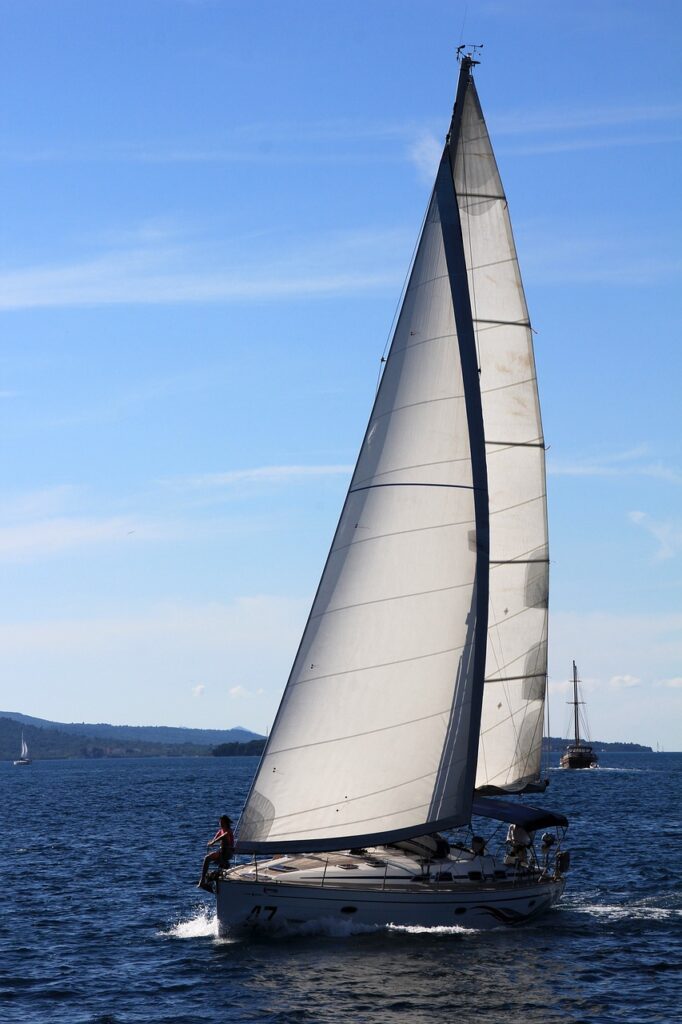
<point>101,922</point>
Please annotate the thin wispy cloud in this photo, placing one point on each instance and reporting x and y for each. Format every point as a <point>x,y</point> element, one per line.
<point>561,119</point>
<point>354,140</point>
<point>59,535</point>
<point>630,463</point>
<point>624,682</point>
<point>199,690</point>
<point>577,144</point>
<point>671,684</point>
<point>425,152</point>
<point>667,533</point>
<point>259,475</point>
<point>603,256</point>
<point>342,264</point>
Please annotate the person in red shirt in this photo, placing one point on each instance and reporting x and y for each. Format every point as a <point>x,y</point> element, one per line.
<point>224,838</point>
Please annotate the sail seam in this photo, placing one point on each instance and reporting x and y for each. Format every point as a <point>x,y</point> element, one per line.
<point>413,405</point>
<point>511,679</point>
<point>519,561</point>
<point>385,600</point>
<point>424,341</point>
<point>382,664</point>
<point>505,387</point>
<point>413,830</point>
<point>493,263</point>
<point>427,280</point>
<point>504,323</point>
<point>516,444</point>
<point>400,533</point>
<point>415,465</point>
<point>407,483</point>
<point>368,732</point>
<point>478,195</point>
<point>520,504</point>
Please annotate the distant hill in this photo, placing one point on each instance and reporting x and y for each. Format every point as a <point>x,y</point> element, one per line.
<point>254,748</point>
<point>48,739</point>
<point>558,745</point>
<point>147,733</point>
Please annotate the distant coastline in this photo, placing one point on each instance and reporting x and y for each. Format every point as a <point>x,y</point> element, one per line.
<point>56,740</point>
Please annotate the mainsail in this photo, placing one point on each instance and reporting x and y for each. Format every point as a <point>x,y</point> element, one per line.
<point>516,659</point>
<point>425,650</point>
<point>377,732</point>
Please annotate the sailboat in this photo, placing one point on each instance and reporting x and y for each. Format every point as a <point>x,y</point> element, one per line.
<point>416,698</point>
<point>23,756</point>
<point>578,754</point>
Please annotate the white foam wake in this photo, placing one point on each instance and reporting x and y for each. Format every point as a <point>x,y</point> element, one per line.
<point>418,929</point>
<point>204,924</point>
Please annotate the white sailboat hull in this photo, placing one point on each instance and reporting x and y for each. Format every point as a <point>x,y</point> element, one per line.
<point>250,904</point>
<point>376,890</point>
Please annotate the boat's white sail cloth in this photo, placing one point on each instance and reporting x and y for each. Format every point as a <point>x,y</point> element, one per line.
<point>24,748</point>
<point>516,657</point>
<point>373,734</point>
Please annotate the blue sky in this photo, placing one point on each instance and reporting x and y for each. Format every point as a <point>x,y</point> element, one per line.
<point>207,212</point>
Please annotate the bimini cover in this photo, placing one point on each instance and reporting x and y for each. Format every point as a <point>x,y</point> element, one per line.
<point>530,818</point>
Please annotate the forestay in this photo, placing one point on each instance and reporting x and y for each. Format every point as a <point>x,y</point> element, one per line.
<point>377,732</point>
<point>516,658</point>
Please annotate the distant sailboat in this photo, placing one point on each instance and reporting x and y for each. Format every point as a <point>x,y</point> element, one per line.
<point>578,754</point>
<point>23,756</point>
<point>416,698</point>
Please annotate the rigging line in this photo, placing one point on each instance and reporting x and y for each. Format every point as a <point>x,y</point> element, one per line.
<point>403,291</point>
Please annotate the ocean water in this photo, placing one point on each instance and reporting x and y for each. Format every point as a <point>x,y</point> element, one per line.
<point>101,922</point>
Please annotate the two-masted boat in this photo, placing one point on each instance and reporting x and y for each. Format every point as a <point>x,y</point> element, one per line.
<point>578,754</point>
<point>416,697</point>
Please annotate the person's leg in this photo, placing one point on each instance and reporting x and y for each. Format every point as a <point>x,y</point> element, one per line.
<point>208,859</point>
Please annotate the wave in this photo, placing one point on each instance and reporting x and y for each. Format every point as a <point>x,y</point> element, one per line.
<point>625,912</point>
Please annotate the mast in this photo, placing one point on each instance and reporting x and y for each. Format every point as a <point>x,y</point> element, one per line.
<point>576,716</point>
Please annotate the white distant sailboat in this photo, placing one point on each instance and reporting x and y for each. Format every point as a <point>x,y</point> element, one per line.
<point>23,756</point>
<point>417,694</point>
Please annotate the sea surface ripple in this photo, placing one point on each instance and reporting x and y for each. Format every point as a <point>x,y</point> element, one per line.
<point>102,923</point>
